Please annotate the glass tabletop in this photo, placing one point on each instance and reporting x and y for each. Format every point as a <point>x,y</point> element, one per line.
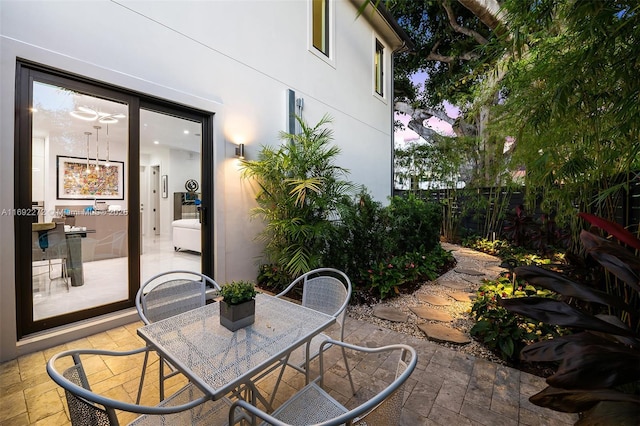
<point>218,360</point>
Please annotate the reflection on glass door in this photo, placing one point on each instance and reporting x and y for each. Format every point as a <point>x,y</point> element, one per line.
<point>79,233</point>
<point>170,159</point>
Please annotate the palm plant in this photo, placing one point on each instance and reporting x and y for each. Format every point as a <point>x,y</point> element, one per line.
<point>300,187</point>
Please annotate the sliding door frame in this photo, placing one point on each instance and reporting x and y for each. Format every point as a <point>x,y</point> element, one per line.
<point>206,171</point>
<point>28,72</point>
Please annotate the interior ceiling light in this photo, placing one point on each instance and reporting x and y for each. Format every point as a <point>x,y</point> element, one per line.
<point>88,114</point>
<point>109,118</point>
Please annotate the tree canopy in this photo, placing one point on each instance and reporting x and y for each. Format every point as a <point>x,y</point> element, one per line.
<point>571,98</point>
<point>559,76</point>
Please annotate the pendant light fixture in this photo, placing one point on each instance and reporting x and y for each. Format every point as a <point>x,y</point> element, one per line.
<point>107,164</point>
<point>97,148</point>
<point>90,114</point>
<point>88,134</point>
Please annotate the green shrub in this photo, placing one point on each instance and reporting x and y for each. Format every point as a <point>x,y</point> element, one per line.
<point>273,277</point>
<point>414,224</point>
<point>312,222</point>
<point>299,190</point>
<point>379,248</point>
<point>384,277</point>
<point>360,239</point>
<point>382,248</point>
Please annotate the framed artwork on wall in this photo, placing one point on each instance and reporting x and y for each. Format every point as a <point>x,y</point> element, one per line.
<point>82,178</point>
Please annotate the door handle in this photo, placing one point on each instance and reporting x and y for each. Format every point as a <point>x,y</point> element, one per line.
<point>202,216</point>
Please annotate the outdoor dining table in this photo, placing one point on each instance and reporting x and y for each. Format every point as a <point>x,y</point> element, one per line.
<point>220,361</point>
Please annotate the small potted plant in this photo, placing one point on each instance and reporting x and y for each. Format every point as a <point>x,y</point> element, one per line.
<point>238,304</point>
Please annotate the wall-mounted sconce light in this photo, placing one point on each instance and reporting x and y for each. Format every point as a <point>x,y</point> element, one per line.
<point>240,151</point>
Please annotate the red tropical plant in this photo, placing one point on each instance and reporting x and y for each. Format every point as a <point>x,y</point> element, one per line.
<point>599,371</point>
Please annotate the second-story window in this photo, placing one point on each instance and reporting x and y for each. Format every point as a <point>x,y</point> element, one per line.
<point>320,13</point>
<point>378,69</point>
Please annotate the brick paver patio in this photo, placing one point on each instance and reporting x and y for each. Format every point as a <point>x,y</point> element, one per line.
<point>447,388</point>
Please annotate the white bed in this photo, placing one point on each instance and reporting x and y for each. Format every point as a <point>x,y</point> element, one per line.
<point>186,235</point>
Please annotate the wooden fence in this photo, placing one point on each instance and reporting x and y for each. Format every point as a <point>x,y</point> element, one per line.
<point>627,211</point>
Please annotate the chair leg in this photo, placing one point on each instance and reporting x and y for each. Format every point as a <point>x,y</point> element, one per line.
<point>144,371</point>
<point>50,270</point>
<point>161,371</point>
<point>50,277</point>
<point>284,361</point>
<point>306,363</point>
<point>65,273</point>
<point>346,365</point>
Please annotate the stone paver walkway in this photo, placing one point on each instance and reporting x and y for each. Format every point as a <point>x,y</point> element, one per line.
<point>450,388</point>
<point>458,284</point>
<point>453,388</point>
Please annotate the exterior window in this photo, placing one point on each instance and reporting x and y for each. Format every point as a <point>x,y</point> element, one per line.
<point>378,71</point>
<point>320,22</point>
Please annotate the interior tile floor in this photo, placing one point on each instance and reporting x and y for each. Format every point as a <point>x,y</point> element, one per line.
<point>105,281</point>
<point>447,388</point>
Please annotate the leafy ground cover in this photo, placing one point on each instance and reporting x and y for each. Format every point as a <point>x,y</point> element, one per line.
<point>504,332</point>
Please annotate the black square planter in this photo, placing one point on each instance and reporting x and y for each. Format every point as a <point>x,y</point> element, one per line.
<point>235,317</point>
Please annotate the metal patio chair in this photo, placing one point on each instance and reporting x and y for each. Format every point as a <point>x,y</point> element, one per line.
<point>51,245</point>
<point>187,406</point>
<point>168,294</point>
<point>312,405</point>
<point>326,290</point>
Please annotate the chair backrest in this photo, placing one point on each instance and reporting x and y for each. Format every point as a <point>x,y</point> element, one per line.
<point>324,289</point>
<point>388,411</point>
<point>113,243</point>
<point>171,293</point>
<point>56,235</point>
<point>52,243</point>
<point>118,242</point>
<point>89,408</point>
<point>383,408</point>
<point>82,411</point>
<point>36,250</point>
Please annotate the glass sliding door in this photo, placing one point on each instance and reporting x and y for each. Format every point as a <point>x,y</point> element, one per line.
<point>72,208</point>
<point>170,193</point>
<point>79,150</point>
<point>102,176</point>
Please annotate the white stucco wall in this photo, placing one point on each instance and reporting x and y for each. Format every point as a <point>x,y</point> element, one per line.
<point>232,58</point>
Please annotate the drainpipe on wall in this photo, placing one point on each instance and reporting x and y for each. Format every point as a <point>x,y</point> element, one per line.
<point>402,48</point>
